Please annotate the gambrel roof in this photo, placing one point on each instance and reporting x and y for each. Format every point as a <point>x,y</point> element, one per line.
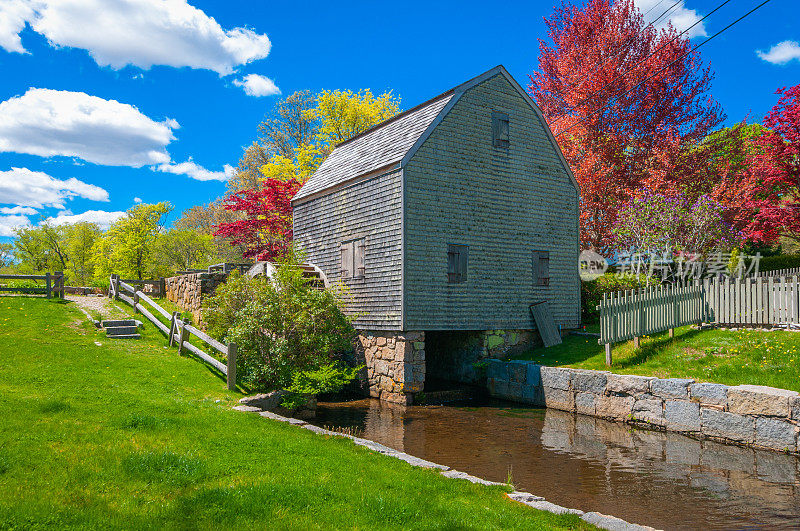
<point>390,144</point>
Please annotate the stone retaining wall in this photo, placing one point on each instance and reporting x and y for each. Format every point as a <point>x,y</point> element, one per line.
<point>395,364</point>
<point>751,415</point>
<point>188,291</point>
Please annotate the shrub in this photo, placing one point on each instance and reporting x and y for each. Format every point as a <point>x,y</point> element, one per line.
<point>781,261</point>
<point>281,327</point>
<point>592,292</point>
<point>329,378</point>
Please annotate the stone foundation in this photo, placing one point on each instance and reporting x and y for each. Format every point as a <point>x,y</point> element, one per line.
<point>188,291</point>
<point>751,415</point>
<point>395,364</point>
<point>457,355</point>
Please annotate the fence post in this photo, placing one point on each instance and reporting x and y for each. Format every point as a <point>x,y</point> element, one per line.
<point>232,348</point>
<point>172,324</point>
<point>47,283</point>
<point>182,336</point>
<point>162,287</point>
<point>58,284</point>
<point>608,354</point>
<point>135,300</point>
<point>115,283</point>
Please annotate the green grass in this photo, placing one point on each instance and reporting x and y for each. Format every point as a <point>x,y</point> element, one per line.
<point>131,435</point>
<point>721,356</point>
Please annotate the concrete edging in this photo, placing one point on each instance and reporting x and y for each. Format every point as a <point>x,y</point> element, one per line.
<point>750,415</point>
<point>602,521</point>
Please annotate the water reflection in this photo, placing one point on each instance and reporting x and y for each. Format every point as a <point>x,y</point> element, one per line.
<point>660,479</point>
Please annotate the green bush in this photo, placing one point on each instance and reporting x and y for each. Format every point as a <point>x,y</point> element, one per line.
<point>781,261</point>
<point>592,291</point>
<point>329,378</point>
<point>281,327</point>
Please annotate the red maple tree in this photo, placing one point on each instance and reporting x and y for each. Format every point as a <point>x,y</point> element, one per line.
<point>266,230</point>
<point>616,91</point>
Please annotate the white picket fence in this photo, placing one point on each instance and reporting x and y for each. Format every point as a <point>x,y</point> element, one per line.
<point>751,301</point>
<point>780,273</point>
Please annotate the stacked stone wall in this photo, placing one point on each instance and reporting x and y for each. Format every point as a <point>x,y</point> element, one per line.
<point>395,364</point>
<point>188,291</point>
<point>751,415</point>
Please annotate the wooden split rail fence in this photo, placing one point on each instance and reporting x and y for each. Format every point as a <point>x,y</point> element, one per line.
<point>179,329</point>
<point>750,301</point>
<point>53,285</point>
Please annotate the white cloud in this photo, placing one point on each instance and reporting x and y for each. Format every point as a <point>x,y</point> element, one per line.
<point>9,223</point>
<point>680,16</point>
<point>48,123</point>
<point>26,188</point>
<point>197,172</point>
<point>781,53</point>
<point>137,199</point>
<point>256,85</point>
<point>142,33</point>
<point>103,218</point>
<point>13,15</point>
<point>24,210</point>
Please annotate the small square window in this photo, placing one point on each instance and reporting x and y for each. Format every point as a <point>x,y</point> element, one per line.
<point>352,259</point>
<point>500,136</point>
<point>457,256</point>
<point>541,268</point>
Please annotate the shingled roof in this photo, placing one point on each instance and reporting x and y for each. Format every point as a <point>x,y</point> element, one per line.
<point>375,148</point>
<point>387,143</point>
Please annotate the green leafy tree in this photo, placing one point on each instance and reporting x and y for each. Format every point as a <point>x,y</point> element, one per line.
<point>41,248</point>
<point>6,254</point>
<point>128,246</point>
<point>80,239</point>
<point>179,250</point>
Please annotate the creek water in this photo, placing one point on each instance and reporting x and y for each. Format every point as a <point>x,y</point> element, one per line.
<point>665,480</point>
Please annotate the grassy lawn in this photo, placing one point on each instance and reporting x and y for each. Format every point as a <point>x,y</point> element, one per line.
<point>129,434</point>
<point>721,356</point>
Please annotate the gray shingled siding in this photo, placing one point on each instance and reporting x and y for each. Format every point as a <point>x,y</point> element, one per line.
<point>369,209</point>
<point>503,203</point>
<point>373,150</point>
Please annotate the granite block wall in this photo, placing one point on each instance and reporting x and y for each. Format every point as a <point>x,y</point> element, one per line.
<point>752,415</point>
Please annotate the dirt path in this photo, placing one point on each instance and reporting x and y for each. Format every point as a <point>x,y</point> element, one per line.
<point>94,304</point>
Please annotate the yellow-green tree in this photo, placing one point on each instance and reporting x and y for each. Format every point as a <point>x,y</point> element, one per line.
<point>79,240</point>
<point>128,246</point>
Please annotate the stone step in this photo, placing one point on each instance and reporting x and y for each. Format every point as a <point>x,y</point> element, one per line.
<point>125,336</point>
<point>119,322</point>
<point>121,330</point>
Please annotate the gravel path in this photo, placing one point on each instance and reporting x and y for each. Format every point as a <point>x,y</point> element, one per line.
<point>93,303</point>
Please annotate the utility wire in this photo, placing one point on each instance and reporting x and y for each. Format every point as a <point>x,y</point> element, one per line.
<point>642,60</point>
<point>667,66</point>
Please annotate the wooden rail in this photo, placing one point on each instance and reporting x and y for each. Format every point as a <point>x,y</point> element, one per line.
<point>750,301</point>
<point>53,285</point>
<point>178,331</point>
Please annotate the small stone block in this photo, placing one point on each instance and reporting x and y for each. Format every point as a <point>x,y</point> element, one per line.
<point>247,409</point>
<point>517,370</point>
<point>534,376</point>
<point>776,434</point>
<point>558,399</point>
<point>589,381</point>
<point>627,384</point>
<point>497,369</point>
<point>615,407</point>
<point>709,393</point>
<point>585,403</point>
<point>671,387</point>
<point>555,377</point>
<point>731,426</point>
<point>759,400</point>
<point>682,415</point>
<point>649,409</point>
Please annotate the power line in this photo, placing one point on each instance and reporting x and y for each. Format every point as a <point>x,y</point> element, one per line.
<point>667,66</point>
<point>642,60</point>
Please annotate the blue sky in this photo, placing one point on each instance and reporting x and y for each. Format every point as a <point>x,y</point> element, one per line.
<point>147,99</point>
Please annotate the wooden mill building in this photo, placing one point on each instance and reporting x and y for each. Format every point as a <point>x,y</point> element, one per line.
<point>445,223</point>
